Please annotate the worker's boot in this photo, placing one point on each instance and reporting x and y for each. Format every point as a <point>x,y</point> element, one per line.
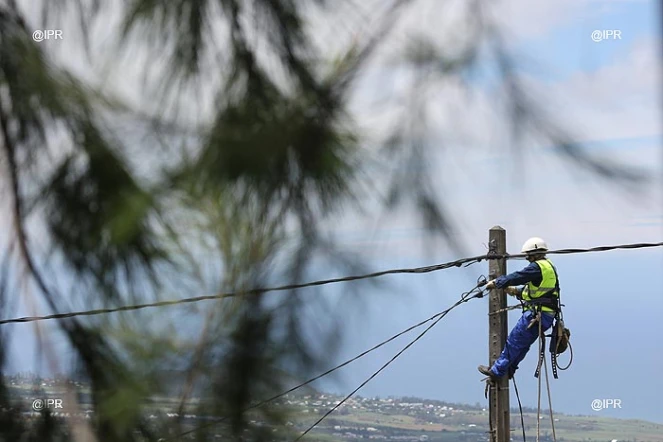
<point>485,370</point>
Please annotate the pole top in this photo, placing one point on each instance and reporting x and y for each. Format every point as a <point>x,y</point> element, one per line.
<point>497,228</point>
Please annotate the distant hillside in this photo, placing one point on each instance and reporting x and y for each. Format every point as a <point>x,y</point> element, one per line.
<point>412,418</point>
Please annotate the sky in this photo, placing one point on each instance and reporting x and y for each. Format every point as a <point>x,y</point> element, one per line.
<point>609,93</point>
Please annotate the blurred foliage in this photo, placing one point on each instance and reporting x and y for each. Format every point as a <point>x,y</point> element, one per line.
<point>235,203</point>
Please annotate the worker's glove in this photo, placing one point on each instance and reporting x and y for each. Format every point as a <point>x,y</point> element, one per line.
<point>490,285</point>
<point>512,291</point>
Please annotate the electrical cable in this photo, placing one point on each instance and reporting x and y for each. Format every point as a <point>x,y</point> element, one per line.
<point>416,270</point>
<point>520,407</point>
<point>589,250</point>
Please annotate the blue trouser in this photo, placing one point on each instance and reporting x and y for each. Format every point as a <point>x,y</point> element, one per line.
<point>518,343</point>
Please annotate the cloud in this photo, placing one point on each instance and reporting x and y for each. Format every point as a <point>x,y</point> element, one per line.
<point>616,101</point>
<point>528,19</point>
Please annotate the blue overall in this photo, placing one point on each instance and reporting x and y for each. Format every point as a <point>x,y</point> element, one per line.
<point>521,338</point>
<point>518,343</point>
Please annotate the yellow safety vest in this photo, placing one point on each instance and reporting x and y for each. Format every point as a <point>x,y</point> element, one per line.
<point>548,286</point>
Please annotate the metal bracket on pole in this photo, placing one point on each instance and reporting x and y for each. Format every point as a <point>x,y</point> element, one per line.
<point>492,247</point>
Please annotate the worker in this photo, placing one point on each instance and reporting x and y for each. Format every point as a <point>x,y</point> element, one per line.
<point>539,294</point>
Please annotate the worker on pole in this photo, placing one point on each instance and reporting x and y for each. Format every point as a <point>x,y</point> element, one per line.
<point>540,299</point>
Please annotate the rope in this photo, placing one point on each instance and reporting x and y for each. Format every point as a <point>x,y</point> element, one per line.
<point>416,270</point>
<point>520,407</point>
<point>538,411</point>
<point>331,370</point>
<point>552,420</point>
<point>542,360</point>
<point>570,360</point>
<point>463,299</point>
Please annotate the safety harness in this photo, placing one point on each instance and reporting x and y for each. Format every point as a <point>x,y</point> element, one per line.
<point>559,335</point>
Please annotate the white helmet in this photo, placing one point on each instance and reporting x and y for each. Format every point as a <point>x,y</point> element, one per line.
<point>534,244</point>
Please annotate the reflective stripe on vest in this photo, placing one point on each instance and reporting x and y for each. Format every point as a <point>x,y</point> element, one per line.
<point>548,284</point>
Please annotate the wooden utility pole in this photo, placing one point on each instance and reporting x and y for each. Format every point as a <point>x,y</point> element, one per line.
<point>498,331</point>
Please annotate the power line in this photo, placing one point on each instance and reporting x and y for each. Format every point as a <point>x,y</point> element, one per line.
<point>349,361</point>
<point>415,270</point>
<point>590,250</point>
<point>427,269</point>
<point>463,299</point>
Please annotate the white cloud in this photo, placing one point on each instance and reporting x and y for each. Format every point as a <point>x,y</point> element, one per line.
<point>527,19</point>
<point>616,101</point>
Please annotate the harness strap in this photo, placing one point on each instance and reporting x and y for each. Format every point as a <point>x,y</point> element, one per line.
<point>546,300</point>
<point>542,355</point>
<point>542,346</point>
<point>556,337</point>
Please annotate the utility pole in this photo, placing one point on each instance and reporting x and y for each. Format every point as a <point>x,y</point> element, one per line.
<point>498,330</point>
